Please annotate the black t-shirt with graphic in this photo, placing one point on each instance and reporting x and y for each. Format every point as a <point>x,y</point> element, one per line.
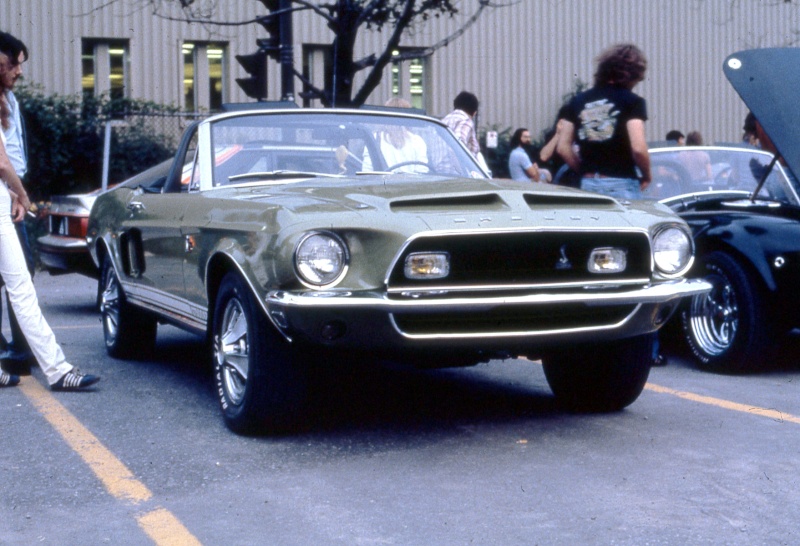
<point>600,116</point>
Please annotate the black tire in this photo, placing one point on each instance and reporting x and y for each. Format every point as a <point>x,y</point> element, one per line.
<point>128,331</point>
<point>261,380</point>
<point>600,377</point>
<point>727,329</point>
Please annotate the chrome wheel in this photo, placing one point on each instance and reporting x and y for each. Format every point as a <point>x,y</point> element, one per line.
<point>110,305</point>
<point>129,332</point>
<point>730,327</point>
<point>714,317</point>
<point>232,352</point>
<point>260,381</point>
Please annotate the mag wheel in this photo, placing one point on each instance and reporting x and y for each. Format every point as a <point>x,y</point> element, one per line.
<point>261,380</point>
<point>128,331</point>
<point>600,377</point>
<point>727,329</point>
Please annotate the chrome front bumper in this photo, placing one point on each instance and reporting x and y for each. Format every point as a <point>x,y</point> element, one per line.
<point>373,320</point>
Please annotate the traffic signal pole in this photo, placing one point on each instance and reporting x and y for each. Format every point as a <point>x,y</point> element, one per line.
<point>287,51</point>
<point>278,46</point>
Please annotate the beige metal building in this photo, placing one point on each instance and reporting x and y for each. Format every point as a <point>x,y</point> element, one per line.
<point>520,60</point>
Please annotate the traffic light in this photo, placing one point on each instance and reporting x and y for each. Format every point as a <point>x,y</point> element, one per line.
<point>272,45</point>
<point>254,64</point>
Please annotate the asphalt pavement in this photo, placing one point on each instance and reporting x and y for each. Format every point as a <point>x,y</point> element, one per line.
<point>398,456</point>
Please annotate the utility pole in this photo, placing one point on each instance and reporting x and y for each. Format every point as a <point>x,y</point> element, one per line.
<point>287,50</point>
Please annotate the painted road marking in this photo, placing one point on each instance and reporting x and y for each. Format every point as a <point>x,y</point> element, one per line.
<point>726,404</point>
<point>159,524</point>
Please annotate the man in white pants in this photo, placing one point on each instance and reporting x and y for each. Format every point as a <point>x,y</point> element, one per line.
<point>61,375</point>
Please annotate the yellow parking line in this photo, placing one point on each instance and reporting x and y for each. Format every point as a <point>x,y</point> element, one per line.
<point>159,524</point>
<point>726,404</point>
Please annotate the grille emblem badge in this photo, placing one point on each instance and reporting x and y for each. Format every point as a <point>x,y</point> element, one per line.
<point>563,262</point>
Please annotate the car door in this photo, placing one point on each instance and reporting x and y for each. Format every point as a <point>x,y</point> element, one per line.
<point>153,242</point>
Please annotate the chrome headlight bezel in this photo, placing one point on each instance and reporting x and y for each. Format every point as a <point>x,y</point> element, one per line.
<point>320,246</point>
<point>673,250</point>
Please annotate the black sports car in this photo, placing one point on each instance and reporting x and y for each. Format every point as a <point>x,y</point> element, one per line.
<point>743,207</point>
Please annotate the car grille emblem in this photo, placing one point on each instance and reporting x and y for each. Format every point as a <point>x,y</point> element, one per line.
<point>563,262</point>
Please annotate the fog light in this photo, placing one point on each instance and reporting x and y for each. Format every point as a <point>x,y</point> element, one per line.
<point>607,260</point>
<point>427,265</point>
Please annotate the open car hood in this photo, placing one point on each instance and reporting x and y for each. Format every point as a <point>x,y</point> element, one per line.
<point>768,81</point>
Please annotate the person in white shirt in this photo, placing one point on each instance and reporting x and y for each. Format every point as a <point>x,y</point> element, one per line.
<point>14,204</point>
<point>16,355</point>
<point>402,150</point>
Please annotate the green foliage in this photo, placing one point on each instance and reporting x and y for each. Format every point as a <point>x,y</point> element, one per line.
<point>65,137</point>
<point>496,158</point>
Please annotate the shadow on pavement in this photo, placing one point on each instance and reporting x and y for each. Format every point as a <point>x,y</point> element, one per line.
<point>360,394</point>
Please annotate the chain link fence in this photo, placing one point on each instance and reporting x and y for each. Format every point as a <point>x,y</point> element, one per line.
<point>138,141</point>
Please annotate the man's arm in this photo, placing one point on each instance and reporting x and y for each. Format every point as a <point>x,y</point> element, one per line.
<point>549,149</point>
<point>641,157</point>
<point>533,172</point>
<point>9,175</point>
<point>564,145</point>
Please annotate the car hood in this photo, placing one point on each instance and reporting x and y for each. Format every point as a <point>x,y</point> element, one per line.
<point>442,197</point>
<point>767,80</point>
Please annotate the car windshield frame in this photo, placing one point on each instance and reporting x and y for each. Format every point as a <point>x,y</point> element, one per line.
<point>734,171</point>
<point>269,147</point>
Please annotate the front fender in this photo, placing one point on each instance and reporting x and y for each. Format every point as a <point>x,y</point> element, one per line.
<point>770,246</point>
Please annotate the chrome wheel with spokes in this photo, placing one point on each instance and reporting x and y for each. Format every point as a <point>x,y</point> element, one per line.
<point>260,378</point>
<point>714,317</point>
<point>129,332</point>
<point>728,328</point>
<point>232,352</point>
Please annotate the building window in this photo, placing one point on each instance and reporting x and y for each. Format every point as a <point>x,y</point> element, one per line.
<point>105,67</point>
<point>204,65</point>
<point>409,80</point>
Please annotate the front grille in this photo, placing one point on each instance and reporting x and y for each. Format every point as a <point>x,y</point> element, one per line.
<point>524,258</point>
<point>509,319</point>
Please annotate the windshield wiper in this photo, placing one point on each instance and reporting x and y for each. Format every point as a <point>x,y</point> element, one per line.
<point>279,175</point>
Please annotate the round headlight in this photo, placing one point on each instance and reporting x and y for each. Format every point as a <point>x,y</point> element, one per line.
<point>672,250</point>
<point>320,258</point>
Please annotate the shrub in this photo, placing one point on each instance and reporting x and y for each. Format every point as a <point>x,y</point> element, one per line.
<point>65,136</point>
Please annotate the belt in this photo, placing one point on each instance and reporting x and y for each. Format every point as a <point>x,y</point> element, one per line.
<point>595,175</point>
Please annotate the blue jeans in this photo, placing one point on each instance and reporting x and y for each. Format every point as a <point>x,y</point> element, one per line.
<point>620,188</point>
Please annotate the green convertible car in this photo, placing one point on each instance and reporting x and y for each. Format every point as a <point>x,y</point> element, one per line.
<point>290,236</point>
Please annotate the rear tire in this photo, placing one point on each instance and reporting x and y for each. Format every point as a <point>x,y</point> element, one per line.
<point>128,331</point>
<point>600,377</point>
<point>261,380</point>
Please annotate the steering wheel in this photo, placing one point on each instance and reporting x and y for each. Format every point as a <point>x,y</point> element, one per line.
<point>412,162</point>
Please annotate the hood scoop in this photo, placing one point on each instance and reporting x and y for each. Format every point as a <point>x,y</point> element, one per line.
<point>537,200</point>
<point>477,202</point>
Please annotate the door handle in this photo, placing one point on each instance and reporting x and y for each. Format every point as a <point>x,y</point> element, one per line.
<point>136,206</point>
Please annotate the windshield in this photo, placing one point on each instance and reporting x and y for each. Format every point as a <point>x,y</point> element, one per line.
<point>691,169</point>
<point>276,147</point>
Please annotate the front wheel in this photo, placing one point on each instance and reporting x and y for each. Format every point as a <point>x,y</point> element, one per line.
<point>261,380</point>
<point>727,329</point>
<point>128,331</point>
<point>600,377</point>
